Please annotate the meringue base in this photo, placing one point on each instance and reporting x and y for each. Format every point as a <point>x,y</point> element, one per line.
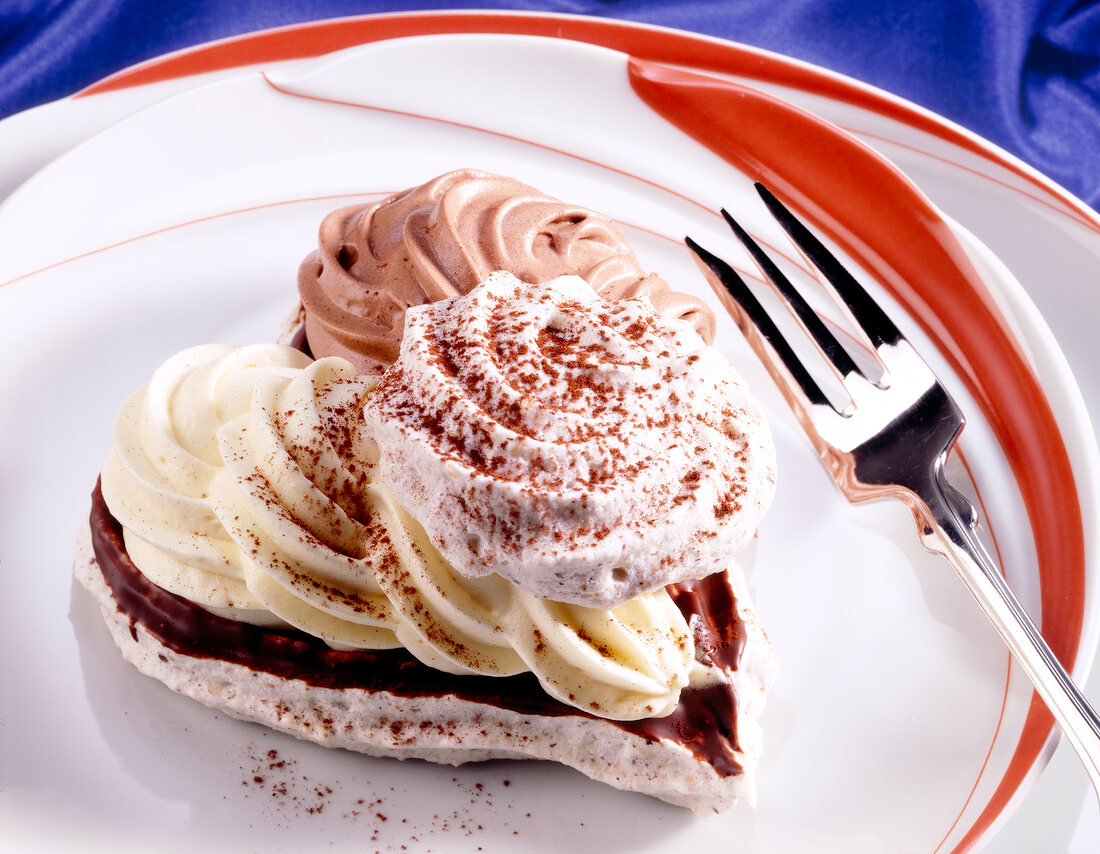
<point>448,729</point>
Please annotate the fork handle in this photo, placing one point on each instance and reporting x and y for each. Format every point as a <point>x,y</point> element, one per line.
<point>946,523</point>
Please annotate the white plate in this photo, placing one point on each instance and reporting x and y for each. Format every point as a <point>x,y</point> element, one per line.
<point>896,715</point>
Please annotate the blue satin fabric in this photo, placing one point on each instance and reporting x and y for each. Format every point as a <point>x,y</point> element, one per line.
<point>1022,73</point>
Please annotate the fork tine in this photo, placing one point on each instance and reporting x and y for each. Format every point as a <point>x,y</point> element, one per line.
<point>750,314</point>
<point>863,310</point>
<point>811,322</point>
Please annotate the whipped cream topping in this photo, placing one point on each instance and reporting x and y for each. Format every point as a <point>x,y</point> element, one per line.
<point>246,483</point>
<point>586,450</point>
<point>439,240</point>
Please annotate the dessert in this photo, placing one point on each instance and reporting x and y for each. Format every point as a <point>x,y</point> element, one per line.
<point>515,542</point>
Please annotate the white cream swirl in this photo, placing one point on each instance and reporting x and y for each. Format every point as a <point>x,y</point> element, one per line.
<point>156,479</point>
<point>268,508</point>
<point>586,450</point>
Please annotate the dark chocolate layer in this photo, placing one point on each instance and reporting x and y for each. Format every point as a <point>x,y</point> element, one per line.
<point>704,721</point>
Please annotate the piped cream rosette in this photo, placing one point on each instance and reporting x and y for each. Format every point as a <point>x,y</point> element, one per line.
<point>244,482</point>
<point>587,450</point>
<point>157,477</point>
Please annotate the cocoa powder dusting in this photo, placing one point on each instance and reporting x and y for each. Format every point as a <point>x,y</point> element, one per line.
<point>388,817</point>
<point>565,379</point>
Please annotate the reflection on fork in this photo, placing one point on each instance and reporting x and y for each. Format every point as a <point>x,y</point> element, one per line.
<point>890,440</point>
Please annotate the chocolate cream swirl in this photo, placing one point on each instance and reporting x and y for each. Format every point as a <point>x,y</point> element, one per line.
<point>439,240</point>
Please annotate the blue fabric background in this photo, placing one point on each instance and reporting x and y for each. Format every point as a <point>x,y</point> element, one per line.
<point>1022,73</point>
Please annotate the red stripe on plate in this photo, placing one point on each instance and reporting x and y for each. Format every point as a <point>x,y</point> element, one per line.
<point>1008,662</point>
<point>884,222</point>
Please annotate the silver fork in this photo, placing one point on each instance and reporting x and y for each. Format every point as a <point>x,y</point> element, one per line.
<point>891,441</point>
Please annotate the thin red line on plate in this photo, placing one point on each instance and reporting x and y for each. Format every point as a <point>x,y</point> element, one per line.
<point>985,762</point>
<point>1056,208</point>
<point>1008,663</point>
<point>501,134</point>
<point>313,39</point>
<point>179,225</point>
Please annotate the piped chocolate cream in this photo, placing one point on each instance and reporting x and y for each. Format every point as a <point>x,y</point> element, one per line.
<point>440,240</point>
